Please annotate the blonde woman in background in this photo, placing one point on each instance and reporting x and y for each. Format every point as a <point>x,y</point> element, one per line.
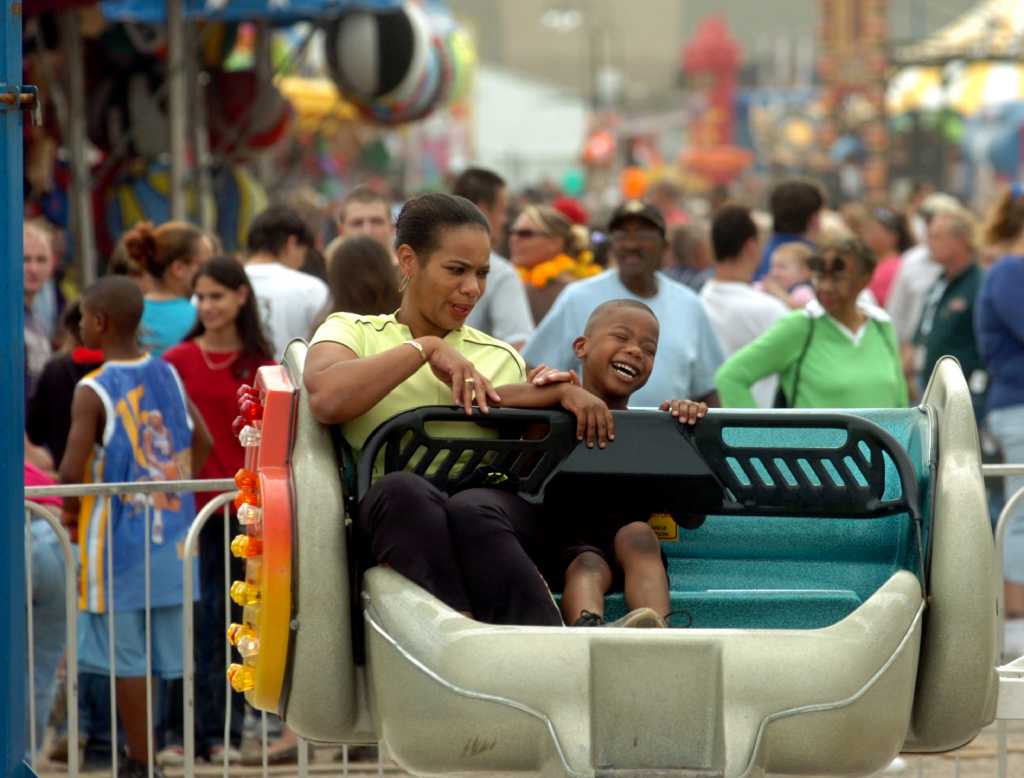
<point>549,253</point>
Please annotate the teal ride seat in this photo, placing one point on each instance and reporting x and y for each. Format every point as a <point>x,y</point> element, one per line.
<point>762,572</point>
<point>744,570</point>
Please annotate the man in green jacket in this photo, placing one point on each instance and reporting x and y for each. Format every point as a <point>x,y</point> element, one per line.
<point>947,319</point>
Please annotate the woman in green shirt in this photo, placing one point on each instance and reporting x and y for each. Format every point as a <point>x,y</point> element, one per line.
<point>834,353</point>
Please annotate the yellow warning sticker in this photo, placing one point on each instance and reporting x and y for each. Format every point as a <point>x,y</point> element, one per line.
<point>664,526</point>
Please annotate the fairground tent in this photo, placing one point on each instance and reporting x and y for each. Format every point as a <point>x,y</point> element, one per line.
<point>971,64</point>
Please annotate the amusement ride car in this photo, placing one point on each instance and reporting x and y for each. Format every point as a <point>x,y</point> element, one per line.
<point>837,571</point>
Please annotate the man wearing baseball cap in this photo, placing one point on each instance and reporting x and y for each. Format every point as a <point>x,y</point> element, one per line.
<point>688,352</point>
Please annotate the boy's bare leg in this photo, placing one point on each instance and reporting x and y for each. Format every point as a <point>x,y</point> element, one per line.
<point>131,707</point>
<point>639,552</point>
<point>586,581</point>
<point>1013,600</point>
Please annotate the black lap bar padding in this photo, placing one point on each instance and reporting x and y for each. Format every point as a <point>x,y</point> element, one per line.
<point>848,479</point>
<point>649,467</point>
<point>447,462</point>
<point>657,464</point>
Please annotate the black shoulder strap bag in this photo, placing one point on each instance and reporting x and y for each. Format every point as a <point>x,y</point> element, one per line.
<point>780,396</point>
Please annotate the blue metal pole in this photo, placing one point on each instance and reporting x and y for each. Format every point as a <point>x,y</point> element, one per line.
<point>13,660</point>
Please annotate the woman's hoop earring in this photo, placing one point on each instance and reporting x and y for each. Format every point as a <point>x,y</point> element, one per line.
<point>403,284</point>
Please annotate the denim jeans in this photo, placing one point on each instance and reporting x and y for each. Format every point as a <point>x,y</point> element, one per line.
<point>48,620</point>
<point>1007,427</point>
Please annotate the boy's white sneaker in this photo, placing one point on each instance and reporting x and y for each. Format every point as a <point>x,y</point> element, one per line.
<point>641,618</point>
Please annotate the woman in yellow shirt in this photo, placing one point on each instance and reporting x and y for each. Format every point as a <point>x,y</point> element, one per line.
<point>363,370</point>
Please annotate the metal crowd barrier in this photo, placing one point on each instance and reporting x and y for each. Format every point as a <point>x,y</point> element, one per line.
<point>227,490</point>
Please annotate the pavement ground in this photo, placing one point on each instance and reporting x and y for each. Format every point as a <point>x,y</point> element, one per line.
<point>978,759</point>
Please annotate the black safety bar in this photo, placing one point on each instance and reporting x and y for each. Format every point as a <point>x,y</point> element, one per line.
<point>847,480</point>
<point>843,481</point>
<point>446,462</point>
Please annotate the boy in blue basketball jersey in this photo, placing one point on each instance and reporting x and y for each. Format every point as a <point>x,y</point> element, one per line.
<point>130,421</point>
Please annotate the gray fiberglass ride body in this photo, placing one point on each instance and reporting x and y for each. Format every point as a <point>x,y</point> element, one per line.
<point>841,599</point>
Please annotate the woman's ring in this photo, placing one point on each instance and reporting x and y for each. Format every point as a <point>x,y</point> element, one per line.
<point>470,381</point>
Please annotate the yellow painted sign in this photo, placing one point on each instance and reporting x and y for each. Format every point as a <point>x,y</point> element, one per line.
<point>664,526</point>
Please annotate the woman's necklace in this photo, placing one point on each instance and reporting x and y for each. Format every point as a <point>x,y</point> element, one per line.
<point>213,365</point>
<point>541,274</point>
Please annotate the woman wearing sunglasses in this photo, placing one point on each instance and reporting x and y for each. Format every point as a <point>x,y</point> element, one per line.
<point>549,253</point>
<point>836,352</point>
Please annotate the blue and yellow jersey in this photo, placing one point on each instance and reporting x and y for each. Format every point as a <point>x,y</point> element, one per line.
<point>147,437</point>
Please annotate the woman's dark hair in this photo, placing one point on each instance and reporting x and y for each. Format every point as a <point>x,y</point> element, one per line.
<point>71,320</point>
<point>270,230</point>
<point>424,218</point>
<point>155,249</point>
<point>1005,220</point>
<point>315,264</point>
<point>896,223</point>
<point>793,203</point>
<point>362,278</point>
<point>228,272</point>
<point>851,248</point>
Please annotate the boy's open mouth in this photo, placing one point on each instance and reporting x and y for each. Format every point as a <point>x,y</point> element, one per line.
<point>624,371</point>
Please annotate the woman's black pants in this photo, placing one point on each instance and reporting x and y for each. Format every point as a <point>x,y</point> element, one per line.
<point>474,551</point>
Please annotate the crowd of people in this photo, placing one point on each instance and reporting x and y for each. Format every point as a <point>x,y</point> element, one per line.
<point>795,306</point>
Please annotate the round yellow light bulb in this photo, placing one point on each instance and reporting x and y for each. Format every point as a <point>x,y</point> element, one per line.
<point>244,546</point>
<point>238,631</point>
<point>244,593</point>
<point>242,678</point>
<point>248,646</point>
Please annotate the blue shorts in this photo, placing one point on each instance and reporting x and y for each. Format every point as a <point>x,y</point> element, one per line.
<point>130,643</point>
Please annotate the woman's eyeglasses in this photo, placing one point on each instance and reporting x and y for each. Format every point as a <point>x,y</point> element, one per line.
<point>821,268</point>
<point>841,260</point>
<point>525,234</point>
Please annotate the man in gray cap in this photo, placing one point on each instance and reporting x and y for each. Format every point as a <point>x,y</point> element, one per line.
<point>688,351</point>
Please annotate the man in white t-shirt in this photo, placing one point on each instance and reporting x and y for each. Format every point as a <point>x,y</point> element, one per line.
<point>739,313</point>
<point>290,302</point>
